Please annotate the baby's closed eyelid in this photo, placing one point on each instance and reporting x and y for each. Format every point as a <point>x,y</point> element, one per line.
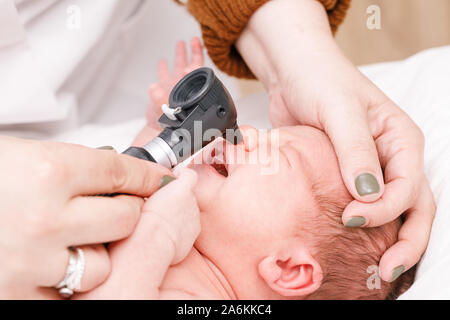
<point>293,154</point>
<point>250,138</point>
<point>286,157</point>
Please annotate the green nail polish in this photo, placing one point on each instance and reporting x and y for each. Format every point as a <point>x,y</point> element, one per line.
<point>355,222</point>
<point>108,148</point>
<point>165,181</point>
<point>366,184</point>
<point>397,272</point>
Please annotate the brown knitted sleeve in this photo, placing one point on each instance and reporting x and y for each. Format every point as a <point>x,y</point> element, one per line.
<point>223,21</point>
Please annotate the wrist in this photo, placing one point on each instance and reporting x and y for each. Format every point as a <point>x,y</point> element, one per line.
<point>284,32</point>
<point>302,16</point>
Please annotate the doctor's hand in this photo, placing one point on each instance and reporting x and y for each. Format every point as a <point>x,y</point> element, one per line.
<point>48,204</point>
<point>289,47</point>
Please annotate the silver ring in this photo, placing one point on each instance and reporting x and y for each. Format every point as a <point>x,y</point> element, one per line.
<point>74,273</point>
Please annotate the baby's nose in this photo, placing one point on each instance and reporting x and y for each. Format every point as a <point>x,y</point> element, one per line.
<point>250,137</point>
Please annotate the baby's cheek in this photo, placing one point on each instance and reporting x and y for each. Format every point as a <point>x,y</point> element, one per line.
<point>223,214</point>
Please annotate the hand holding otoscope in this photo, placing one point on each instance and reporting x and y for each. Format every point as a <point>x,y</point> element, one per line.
<point>198,103</point>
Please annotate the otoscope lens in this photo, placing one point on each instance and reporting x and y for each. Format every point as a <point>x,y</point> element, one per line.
<point>191,88</point>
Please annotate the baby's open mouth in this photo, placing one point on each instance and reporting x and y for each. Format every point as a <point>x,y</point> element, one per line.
<point>214,157</point>
<point>218,163</point>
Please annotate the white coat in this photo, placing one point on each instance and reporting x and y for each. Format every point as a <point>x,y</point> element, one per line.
<point>57,57</point>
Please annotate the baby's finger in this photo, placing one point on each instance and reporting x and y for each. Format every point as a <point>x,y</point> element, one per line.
<point>158,95</point>
<point>187,176</point>
<point>412,239</point>
<point>197,57</point>
<point>180,60</point>
<point>173,193</point>
<point>164,74</point>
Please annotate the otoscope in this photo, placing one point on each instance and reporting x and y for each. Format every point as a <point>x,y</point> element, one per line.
<point>198,103</point>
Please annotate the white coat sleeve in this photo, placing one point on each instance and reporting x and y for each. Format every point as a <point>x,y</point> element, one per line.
<point>25,94</point>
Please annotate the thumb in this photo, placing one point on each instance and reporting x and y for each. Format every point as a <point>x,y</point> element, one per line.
<point>357,153</point>
<point>179,188</point>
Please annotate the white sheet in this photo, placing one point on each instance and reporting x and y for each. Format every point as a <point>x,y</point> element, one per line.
<point>421,86</point>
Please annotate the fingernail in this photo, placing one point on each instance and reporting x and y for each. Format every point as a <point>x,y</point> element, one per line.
<point>165,181</point>
<point>355,222</point>
<point>107,148</point>
<point>366,184</point>
<point>397,272</point>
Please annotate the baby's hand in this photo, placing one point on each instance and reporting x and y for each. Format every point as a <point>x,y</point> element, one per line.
<point>160,91</point>
<point>175,208</point>
<point>169,225</point>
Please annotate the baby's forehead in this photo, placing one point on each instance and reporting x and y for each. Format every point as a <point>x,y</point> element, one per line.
<point>302,133</point>
<point>312,145</point>
<point>319,166</point>
<point>319,160</point>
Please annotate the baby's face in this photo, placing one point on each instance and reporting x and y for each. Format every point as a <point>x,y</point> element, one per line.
<point>248,211</point>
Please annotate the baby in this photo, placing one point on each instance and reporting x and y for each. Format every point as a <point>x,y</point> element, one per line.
<point>263,236</point>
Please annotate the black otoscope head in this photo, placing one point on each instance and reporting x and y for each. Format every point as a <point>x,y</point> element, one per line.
<point>201,109</point>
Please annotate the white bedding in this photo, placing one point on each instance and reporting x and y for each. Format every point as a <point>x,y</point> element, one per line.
<point>421,86</point>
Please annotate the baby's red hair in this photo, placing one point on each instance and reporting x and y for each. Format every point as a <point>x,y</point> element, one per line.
<point>346,253</point>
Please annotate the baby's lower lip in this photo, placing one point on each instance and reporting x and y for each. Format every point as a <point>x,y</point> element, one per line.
<point>206,171</point>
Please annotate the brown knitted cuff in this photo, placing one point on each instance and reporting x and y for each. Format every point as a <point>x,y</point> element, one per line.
<point>223,21</point>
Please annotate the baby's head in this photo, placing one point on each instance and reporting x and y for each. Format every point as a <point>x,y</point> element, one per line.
<point>280,235</point>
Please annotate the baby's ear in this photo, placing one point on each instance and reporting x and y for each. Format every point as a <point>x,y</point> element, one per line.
<point>292,272</point>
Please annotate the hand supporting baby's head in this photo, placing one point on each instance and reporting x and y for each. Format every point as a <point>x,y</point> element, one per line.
<point>281,235</point>
<point>349,257</point>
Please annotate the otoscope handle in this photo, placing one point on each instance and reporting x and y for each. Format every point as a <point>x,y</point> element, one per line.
<point>139,153</point>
